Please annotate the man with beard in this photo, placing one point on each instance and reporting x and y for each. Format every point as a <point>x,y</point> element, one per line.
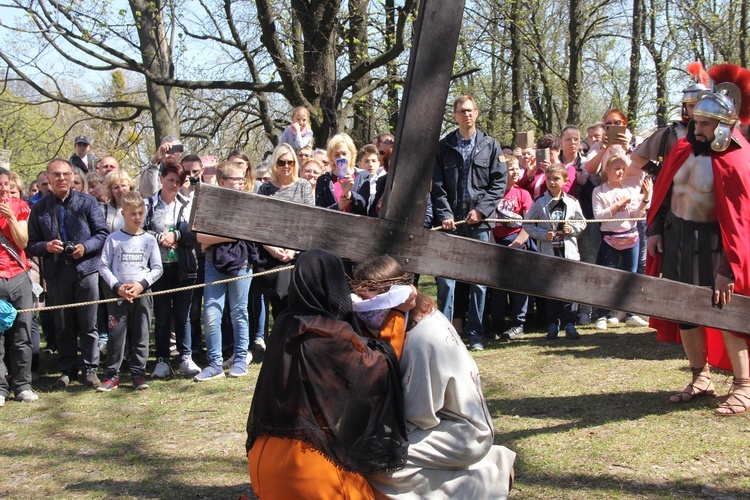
<point>651,153</point>
<point>699,231</point>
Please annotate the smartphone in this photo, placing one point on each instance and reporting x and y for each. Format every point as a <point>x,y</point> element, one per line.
<point>342,167</point>
<point>525,140</point>
<point>176,148</point>
<point>613,131</point>
<point>542,155</point>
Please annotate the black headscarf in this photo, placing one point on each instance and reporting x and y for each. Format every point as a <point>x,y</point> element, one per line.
<point>324,384</point>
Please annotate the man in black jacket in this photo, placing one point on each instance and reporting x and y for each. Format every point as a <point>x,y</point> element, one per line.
<point>468,181</point>
<point>67,228</point>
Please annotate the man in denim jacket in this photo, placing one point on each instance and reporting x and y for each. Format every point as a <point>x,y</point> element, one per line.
<point>68,230</point>
<point>468,181</point>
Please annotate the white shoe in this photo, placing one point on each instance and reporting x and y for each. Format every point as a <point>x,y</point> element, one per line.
<point>636,321</point>
<point>601,323</point>
<point>2,401</point>
<point>27,396</point>
<point>188,367</point>
<point>162,369</point>
<point>613,321</point>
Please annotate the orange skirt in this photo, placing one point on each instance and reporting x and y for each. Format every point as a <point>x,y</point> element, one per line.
<point>288,468</point>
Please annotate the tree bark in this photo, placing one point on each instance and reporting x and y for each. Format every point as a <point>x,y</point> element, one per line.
<point>157,58</point>
<point>516,67</point>
<point>635,63</point>
<point>575,50</point>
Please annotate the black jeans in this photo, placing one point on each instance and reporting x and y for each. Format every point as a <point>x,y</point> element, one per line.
<point>75,322</point>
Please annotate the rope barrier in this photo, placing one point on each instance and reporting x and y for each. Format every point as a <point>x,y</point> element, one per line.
<point>161,292</point>
<point>536,221</point>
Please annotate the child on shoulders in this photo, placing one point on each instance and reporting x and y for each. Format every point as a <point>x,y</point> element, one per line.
<point>298,135</point>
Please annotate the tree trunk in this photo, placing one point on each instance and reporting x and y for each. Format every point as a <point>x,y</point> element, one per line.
<point>391,69</point>
<point>635,63</point>
<point>575,48</point>
<point>743,34</point>
<point>516,68</point>
<point>356,40</point>
<point>157,57</point>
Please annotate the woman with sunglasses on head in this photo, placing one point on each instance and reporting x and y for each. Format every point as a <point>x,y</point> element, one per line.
<point>286,185</point>
<point>600,151</point>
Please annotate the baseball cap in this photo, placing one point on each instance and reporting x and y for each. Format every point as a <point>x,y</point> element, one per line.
<point>83,139</point>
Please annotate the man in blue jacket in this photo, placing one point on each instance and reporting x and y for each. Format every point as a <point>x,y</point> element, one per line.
<point>468,181</point>
<point>68,230</point>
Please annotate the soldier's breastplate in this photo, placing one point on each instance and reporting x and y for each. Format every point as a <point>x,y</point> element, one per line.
<point>693,190</point>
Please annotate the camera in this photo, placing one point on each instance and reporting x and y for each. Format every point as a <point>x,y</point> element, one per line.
<point>69,247</point>
<point>176,148</point>
<point>194,180</point>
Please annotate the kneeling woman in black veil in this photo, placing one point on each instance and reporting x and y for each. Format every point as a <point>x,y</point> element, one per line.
<point>328,405</point>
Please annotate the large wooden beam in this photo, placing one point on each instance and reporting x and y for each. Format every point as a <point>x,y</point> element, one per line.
<point>224,212</point>
<point>421,116</point>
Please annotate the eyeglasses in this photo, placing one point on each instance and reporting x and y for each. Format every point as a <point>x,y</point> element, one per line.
<point>465,111</point>
<point>241,180</point>
<point>284,163</point>
<point>59,175</point>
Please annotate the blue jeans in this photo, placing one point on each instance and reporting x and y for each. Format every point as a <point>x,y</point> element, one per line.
<point>214,297</point>
<point>477,293</point>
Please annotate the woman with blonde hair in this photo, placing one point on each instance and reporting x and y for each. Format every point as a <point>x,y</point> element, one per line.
<point>116,184</point>
<point>334,189</point>
<point>286,185</point>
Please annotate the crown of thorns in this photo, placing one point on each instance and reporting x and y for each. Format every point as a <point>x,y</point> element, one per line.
<point>380,285</point>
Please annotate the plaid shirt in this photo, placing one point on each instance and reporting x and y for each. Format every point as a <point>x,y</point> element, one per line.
<point>465,147</point>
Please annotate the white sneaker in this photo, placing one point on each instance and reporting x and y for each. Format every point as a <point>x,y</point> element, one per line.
<point>613,321</point>
<point>636,321</point>
<point>2,401</point>
<point>27,396</point>
<point>601,323</point>
<point>188,367</point>
<point>162,369</point>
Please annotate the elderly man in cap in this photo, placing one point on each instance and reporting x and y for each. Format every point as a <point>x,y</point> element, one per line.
<point>83,157</point>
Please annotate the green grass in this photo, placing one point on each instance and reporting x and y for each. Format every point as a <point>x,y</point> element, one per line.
<point>588,419</point>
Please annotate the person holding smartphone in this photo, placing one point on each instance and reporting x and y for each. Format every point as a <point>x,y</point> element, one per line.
<point>334,189</point>
<point>149,179</point>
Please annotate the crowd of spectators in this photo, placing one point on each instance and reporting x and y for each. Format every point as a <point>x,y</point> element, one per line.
<point>67,232</point>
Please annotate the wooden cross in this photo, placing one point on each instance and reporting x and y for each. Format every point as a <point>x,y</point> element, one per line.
<point>399,232</point>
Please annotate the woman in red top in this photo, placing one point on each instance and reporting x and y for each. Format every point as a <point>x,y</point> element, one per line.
<point>15,288</point>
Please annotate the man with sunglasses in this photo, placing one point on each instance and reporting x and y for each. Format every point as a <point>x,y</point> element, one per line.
<point>468,181</point>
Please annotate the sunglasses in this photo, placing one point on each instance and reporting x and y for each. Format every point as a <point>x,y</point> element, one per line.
<point>284,163</point>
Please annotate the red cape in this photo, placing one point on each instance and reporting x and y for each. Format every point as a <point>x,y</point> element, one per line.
<point>732,189</point>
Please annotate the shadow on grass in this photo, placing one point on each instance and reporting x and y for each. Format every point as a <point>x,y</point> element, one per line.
<point>165,489</point>
<point>587,410</point>
<point>619,483</point>
<point>621,345</point>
